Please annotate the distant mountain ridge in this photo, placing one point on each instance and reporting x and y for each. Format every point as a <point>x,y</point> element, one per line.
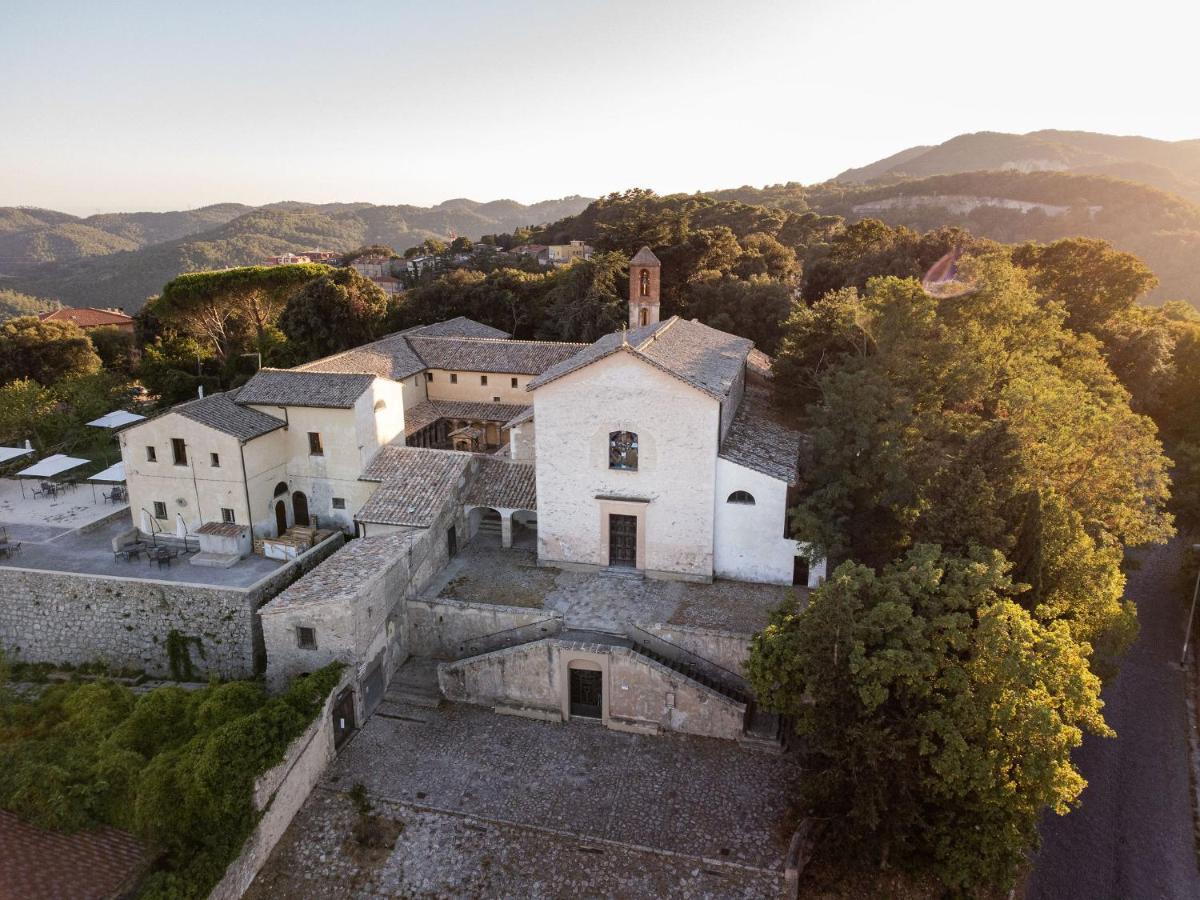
<point>1168,165</point>
<point>120,259</point>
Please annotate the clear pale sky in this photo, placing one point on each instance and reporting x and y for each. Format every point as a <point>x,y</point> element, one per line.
<point>167,105</point>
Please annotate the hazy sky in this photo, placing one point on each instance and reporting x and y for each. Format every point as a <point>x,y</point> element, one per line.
<point>169,104</point>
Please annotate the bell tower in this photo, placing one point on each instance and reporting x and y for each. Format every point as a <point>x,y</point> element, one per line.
<point>644,272</point>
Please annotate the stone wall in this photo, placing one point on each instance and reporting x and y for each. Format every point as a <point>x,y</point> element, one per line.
<point>72,618</point>
<point>639,694</point>
<point>278,795</point>
<point>728,649</point>
<point>440,628</point>
<point>355,601</point>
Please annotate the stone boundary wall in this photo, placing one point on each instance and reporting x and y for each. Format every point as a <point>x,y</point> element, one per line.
<point>437,628</point>
<point>75,618</point>
<point>728,649</point>
<point>278,795</point>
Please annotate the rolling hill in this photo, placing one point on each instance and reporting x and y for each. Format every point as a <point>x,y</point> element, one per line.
<point>125,264</point>
<point>1012,207</point>
<point>1168,165</point>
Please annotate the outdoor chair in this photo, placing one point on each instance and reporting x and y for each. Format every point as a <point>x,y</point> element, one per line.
<point>8,548</point>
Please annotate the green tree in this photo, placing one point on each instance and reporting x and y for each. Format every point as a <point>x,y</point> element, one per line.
<point>1089,277</point>
<point>44,351</point>
<point>584,300</point>
<point>754,308</point>
<point>938,713</point>
<point>232,309</point>
<point>332,313</point>
<point>115,348</point>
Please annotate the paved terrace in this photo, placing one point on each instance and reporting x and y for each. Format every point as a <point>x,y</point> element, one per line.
<point>484,573</point>
<point>497,806</point>
<point>58,549</point>
<point>24,514</point>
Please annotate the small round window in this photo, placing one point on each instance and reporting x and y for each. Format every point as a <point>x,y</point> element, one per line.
<point>743,497</point>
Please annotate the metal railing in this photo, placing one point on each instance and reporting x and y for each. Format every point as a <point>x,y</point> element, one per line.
<point>726,681</point>
<point>509,637</point>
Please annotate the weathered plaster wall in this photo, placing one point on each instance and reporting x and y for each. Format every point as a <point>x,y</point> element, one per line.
<point>728,649</point>
<point>749,544</point>
<point>639,694</point>
<point>677,430</point>
<point>439,628</point>
<point>197,491</point>
<point>355,602</point>
<point>470,389</point>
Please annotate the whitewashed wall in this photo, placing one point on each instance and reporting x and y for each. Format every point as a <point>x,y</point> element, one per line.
<point>750,545</point>
<point>677,428</point>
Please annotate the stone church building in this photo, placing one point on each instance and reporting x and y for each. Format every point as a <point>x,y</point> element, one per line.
<point>652,451</point>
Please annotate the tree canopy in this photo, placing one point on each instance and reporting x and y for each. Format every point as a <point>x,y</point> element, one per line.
<point>333,312</point>
<point>44,351</point>
<point>938,713</point>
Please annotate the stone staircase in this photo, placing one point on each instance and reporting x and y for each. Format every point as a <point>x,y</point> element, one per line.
<point>413,691</point>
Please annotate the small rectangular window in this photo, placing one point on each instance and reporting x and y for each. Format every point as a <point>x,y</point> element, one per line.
<point>306,638</point>
<point>160,509</point>
<point>454,378</point>
<point>429,376</point>
<point>214,460</point>
<point>151,455</point>
<point>339,502</point>
<point>495,399</point>
<point>514,382</point>
<point>227,515</point>
<point>314,444</point>
<point>179,450</point>
<point>483,379</point>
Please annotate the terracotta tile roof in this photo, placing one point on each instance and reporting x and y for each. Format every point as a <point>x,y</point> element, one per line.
<point>86,865</point>
<point>760,442</point>
<point>461,327</point>
<point>287,387</point>
<point>221,529</point>
<point>424,414</point>
<point>503,484</point>
<point>707,359</point>
<point>340,577</point>
<point>87,316</point>
<point>220,412</point>
<point>491,354</point>
<point>413,483</point>
<point>389,357</point>
<point>459,344</point>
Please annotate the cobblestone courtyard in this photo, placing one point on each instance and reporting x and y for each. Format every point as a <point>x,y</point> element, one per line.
<point>493,806</point>
<point>484,573</point>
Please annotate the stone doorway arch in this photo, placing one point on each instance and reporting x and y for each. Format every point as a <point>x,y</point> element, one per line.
<point>300,508</point>
<point>280,517</point>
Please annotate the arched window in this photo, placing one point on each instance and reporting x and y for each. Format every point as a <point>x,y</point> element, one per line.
<point>281,488</point>
<point>380,405</point>
<point>741,497</point>
<point>623,450</point>
<point>645,283</point>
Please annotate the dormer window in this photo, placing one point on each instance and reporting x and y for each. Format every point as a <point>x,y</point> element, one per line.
<point>623,450</point>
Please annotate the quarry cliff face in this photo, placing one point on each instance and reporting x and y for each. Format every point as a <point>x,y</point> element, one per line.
<point>961,205</point>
